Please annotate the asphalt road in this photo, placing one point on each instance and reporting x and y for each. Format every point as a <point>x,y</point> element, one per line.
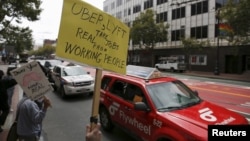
<point>67,119</point>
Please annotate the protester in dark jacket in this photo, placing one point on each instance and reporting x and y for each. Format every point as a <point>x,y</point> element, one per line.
<point>4,106</point>
<point>10,91</point>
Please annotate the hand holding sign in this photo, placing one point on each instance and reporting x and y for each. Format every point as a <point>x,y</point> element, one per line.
<point>47,102</point>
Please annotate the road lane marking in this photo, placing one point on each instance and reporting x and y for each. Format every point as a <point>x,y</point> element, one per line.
<point>221,92</point>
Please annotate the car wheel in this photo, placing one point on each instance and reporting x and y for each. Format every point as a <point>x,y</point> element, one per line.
<point>54,86</point>
<point>105,120</point>
<point>91,93</point>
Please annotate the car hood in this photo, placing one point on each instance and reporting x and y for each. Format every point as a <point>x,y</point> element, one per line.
<point>206,113</point>
<point>78,78</point>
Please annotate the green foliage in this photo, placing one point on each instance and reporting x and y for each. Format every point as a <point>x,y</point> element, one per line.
<point>20,38</point>
<point>13,11</point>
<point>43,51</point>
<point>193,43</point>
<point>237,16</point>
<point>146,33</point>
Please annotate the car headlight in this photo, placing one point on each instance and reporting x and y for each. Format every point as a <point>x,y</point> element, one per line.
<point>64,82</point>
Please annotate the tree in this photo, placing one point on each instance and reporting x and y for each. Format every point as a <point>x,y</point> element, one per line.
<point>13,11</point>
<point>146,33</point>
<point>20,38</point>
<point>48,50</point>
<point>43,51</point>
<point>237,16</point>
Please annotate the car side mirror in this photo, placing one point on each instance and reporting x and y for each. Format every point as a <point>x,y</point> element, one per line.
<point>141,106</point>
<point>196,93</point>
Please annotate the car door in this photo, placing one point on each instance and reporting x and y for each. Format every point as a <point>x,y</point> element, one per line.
<point>57,76</point>
<point>147,121</point>
<point>126,116</point>
<point>140,121</point>
<point>119,108</point>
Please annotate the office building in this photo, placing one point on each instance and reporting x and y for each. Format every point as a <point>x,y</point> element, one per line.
<point>188,19</point>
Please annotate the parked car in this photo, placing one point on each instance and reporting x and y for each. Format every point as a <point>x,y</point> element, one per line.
<point>72,79</point>
<point>49,65</point>
<point>153,107</point>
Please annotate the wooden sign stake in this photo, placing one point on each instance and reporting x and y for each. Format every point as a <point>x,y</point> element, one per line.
<point>96,99</point>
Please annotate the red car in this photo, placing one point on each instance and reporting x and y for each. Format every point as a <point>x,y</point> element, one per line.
<point>152,107</point>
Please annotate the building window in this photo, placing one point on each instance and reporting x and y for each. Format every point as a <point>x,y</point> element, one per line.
<point>199,32</point>
<point>136,9</point>
<point>161,1</point>
<point>112,5</point>
<point>129,11</point>
<point>162,17</point>
<point>148,4</point>
<point>119,15</point>
<point>176,35</point>
<point>118,3</point>
<point>125,13</point>
<point>198,60</point>
<point>106,8</point>
<point>199,8</point>
<point>178,13</point>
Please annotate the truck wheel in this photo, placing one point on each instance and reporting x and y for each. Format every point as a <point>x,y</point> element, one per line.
<point>105,120</point>
<point>157,68</point>
<point>172,70</point>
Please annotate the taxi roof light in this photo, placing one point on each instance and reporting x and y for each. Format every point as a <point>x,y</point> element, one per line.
<point>143,72</point>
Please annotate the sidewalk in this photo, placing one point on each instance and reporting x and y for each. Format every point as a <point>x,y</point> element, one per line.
<point>11,117</point>
<point>236,77</point>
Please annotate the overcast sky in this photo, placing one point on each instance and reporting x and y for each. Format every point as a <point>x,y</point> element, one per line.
<point>48,25</point>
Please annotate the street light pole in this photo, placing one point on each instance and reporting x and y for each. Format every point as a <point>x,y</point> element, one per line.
<point>217,65</point>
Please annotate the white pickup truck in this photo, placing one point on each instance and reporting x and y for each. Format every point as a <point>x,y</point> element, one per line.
<point>173,66</point>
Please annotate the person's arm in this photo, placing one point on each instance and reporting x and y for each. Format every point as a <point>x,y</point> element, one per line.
<point>93,135</point>
<point>39,114</point>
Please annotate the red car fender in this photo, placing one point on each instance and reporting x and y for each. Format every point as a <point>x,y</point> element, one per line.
<point>167,133</point>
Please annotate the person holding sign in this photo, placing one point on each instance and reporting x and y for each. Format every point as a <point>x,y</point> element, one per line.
<point>30,118</point>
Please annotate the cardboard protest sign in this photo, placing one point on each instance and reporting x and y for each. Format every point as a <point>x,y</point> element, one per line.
<point>90,36</point>
<point>32,80</point>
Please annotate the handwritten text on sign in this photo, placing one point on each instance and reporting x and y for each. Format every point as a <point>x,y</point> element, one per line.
<point>32,80</point>
<point>90,36</point>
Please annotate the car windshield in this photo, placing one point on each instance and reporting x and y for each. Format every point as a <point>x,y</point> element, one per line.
<point>172,95</point>
<point>73,71</point>
<point>55,62</point>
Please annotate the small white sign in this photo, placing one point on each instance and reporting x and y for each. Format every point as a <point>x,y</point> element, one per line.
<point>32,80</point>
